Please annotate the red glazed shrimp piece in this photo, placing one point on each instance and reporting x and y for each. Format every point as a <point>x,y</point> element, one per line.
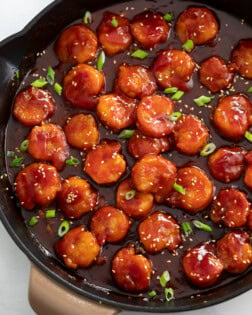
<point>215,74</point>
<point>227,163</point>
<point>81,131</point>
<point>152,116</point>
<point>78,248</point>
<point>76,44</point>
<point>48,143</point>
<point>33,105</point>
<point>230,207</point>
<point>248,172</point>
<point>131,271</point>
<point>105,164</point>
<point>114,39</point>
<point>136,81</point>
<point>82,85</point>
<point>233,116</point>
<point>201,266</point>
<point>190,135</point>
<point>116,111</point>
<point>140,145</point>
<point>249,223</point>
<point>242,58</point>
<point>198,190</point>
<point>174,68</point>
<point>109,224</point>
<point>76,197</point>
<point>37,184</point>
<point>159,231</point>
<point>149,29</point>
<point>234,251</point>
<point>198,25</point>
<point>139,205</point>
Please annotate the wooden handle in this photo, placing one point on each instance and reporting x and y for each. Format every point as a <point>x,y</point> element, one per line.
<point>47,297</point>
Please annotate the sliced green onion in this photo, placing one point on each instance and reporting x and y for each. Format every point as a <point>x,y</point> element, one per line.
<point>177,96</point>
<point>10,153</point>
<point>168,16</point>
<point>140,54</point>
<point>208,149</point>
<point>126,134</point>
<point>24,146</point>
<point>39,83</point>
<point>73,161</point>
<point>63,228</point>
<point>101,60</point>
<point>164,278</point>
<point>175,116</point>
<point>152,293</point>
<point>58,88</point>
<point>202,100</point>
<point>50,214</point>
<point>33,221</point>
<point>188,45</point>
<point>17,74</point>
<point>50,75</point>
<point>248,136</point>
<point>250,89</point>
<point>130,194</point>
<point>179,188</point>
<point>186,227</point>
<point>17,162</point>
<point>169,294</point>
<point>87,17</point>
<point>202,226</point>
<point>114,22</point>
<point>170,90</point>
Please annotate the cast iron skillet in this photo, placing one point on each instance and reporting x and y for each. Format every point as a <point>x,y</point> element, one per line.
<point>21,49</point>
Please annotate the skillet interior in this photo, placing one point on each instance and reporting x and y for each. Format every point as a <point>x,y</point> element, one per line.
<point>42,31</point>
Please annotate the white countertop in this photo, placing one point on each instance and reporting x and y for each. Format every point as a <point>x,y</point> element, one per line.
<point>14,266</point>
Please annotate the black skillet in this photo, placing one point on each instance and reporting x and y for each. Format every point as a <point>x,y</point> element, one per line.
<point>19,51</point>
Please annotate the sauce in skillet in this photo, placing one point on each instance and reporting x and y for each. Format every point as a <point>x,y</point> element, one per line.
<point>45,232</point>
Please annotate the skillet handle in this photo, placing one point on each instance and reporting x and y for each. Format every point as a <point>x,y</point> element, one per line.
<point>47,297</point>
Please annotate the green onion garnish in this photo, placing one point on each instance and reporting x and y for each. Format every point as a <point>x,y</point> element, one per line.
<point>58,88</point>
<point>202,226</point>
<point>39,83</point>
<point>10,153</point>
<point>17,162</point>
<point>114,22</point>
<point>33,221</point>
<point>126,134</point>
<point>73,161</point>
<point>248,136</point>
<point>208,149</point>
<point>177,96</point>
<point>250,89</point>
<point>87,17</point>
<point>169,16</point>
<point>202,100</point>
<point>17,74</point>
<point>24,146</point>
<point>164,278</point>
<point>186,227</point>
<point>63,228</point>
<point>50,214</point>
<point>179,188</point>
<point>130,194</point>
<point>174,116</point>
<point>50,75</point>
<point>169,294</point>
<point>170,90</point>
<point>152,293</point>
<point>188,45</point>
<point>101,60</point>
<point>140,54</point>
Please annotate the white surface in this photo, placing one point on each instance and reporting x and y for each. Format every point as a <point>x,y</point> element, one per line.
<point>14,266</point>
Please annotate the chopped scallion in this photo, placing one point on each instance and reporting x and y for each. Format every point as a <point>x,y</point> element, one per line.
<point>50,75</point>
<point>175,116</point>
<point>248,136</point>
<point>126,134</point>
<point>87,17</point>
<point>250,89</point>
<point>179,188</point>
<point>17,74</point>
<point>10,153</point>
<point>164,278</point>
<point>152,293</point>
<point>171,90</point>
<point>186,227</point>
<point>63,228</point>
<point>169,294</point>
<point>50,214</point>
<point>58,88</point>
<point>18,161</point>
<point>202,100</point>
<point>202,226</point>
<point>33,221</point>
<point>177,96</point>
<point>39,83</point>
<point>24,146</point>
<point>73,161</point>
<point>168,16</point>
<point>130,194</point>
<point>208,149</point>
<point>140,54</point>
<point>188,45</point>
<point>101,60</point>
<point>114,22</point>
